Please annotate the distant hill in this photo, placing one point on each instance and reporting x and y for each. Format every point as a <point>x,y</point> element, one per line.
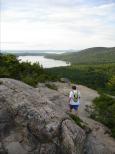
<point>90,55</point>
<point>33,52</point>
<point>25,53</point>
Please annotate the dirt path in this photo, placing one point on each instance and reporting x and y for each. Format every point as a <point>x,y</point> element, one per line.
<point>98,130</point>
<point>98,136</point>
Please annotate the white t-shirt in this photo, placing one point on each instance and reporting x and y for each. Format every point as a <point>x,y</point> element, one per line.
<point>71,96</point>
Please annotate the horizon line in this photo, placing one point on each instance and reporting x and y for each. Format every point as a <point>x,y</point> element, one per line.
<point>54,49</point>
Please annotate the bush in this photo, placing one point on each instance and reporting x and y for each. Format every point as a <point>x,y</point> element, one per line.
<point>111,84</point>
<point>104,111</point>
<point>29,80</point>
<point>51,86</point>
<point>77,120</point>
<point>10,67</point>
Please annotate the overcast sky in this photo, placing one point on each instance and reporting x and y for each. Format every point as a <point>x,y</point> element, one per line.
<point>57,24</point>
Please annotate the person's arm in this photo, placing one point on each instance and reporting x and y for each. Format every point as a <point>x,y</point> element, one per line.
<point>70,96</point>
<point>79,95</point>
<point>70,99</point>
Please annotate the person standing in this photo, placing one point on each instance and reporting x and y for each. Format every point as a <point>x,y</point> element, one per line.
<point>74,99</point>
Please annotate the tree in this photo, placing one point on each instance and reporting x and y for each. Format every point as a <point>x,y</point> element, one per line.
<point>111,83</point>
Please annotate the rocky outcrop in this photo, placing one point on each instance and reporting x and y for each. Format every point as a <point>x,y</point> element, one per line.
<point>97,141</point>
<point>32,124</point>
<point>94,146</point>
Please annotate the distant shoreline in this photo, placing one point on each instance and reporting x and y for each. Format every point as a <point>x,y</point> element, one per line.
<point>45,62</point>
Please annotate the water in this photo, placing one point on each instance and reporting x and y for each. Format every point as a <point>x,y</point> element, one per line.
<point>45,62</point>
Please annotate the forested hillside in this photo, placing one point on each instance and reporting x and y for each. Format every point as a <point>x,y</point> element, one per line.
<point>90,56</point>
<point>98,76</point>
<point>10,67</point>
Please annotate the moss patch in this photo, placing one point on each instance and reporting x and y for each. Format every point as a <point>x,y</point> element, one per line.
<point>77,120</point>
<point>51,86</point>
<point>80,123</point>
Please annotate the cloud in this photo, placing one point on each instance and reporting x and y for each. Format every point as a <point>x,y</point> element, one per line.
<point>62,24</point>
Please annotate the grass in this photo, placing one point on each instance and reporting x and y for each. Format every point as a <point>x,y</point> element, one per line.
<point>80,123</point>
<point>77,120</point>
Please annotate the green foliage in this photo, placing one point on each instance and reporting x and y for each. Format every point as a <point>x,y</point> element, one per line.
<point>29,80</point>
<point>94,76</point>
<point>51,86</point>
<point>104,111</point>
<point>77,120</point>
<point>88,56</point>
<point>10,67</point>
<point>111,83</point>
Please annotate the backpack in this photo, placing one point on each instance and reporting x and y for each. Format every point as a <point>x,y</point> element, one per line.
<point>75,99</point>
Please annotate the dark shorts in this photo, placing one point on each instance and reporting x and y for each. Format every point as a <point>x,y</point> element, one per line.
<point>75,107</point>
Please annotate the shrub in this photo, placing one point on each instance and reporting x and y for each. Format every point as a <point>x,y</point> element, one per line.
<point>111,84</point>
<point>77,120</point>
<point>10,67</point>
<point>104,111</point>
<point>51,86</point>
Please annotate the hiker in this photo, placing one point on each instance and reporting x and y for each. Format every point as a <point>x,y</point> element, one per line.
<point>74,98</point>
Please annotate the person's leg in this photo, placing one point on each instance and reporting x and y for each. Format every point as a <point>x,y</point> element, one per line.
<point>76,109</point>
<point>70,107</point>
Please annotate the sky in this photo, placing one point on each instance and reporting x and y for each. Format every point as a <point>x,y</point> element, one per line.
<point>56,24</point>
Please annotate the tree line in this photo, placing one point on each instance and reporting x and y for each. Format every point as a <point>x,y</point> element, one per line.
<point>99,76</point>
<point>11,67</point>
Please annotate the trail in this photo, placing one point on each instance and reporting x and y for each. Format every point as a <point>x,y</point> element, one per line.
<point>100,138</point>
<point>98,129</point>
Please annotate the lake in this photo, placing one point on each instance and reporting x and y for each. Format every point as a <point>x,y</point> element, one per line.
<point>45,62</point>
